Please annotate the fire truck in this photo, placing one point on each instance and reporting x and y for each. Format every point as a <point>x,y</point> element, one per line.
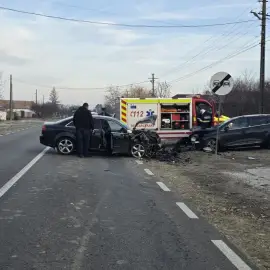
<point>176,117</point>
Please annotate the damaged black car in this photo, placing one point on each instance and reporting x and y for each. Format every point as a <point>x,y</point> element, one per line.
<point>238,132</point>
<point>61,135</point>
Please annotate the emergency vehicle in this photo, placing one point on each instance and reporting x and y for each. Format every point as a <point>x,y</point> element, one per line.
<point>175,116</point>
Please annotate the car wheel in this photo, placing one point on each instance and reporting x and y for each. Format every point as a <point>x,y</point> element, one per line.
<point>137,150</point>
<point>211,144</point>
<point>65,146</point>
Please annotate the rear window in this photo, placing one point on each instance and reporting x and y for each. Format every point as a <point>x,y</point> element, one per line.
<point>259,120</point>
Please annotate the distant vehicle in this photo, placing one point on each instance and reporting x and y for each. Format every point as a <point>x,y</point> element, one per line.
<point>237,132</point>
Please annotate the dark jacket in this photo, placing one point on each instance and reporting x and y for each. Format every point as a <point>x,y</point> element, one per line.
<point>205,119</point>
<point>83,119</point>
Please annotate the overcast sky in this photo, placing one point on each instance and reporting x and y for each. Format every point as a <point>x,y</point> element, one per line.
<point>42,52</point>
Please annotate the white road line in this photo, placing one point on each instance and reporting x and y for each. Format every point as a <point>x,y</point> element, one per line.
<point>139,162</point>
<point>24,170</point>
<point>231,255</point>
<point>163,186</point>
<point>148,172</point>
<point>186,210</point>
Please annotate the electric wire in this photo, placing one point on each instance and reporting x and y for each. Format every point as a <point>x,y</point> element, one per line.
<point>228,57</point>
<point>214,39</point>
<point>121,24</point>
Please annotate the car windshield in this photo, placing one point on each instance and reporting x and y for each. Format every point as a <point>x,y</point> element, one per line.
<point>224,123</point>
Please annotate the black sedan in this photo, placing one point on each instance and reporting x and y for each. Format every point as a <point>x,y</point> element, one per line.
<point>62,135</point>
<point>238,132</point>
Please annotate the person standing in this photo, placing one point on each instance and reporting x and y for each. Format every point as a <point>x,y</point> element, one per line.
<point>204,119</point>
<point>84,124</point>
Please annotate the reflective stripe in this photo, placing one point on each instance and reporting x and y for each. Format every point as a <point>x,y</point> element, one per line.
<point>123,111</point>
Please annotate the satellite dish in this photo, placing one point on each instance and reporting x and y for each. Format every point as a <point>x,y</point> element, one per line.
<point>221,83</point>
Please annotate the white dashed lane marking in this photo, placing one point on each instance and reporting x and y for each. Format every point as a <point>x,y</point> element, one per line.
<point>148,172</point>
<point>231,255</point>
<point>23,171</point>
<point>163,186</point>
<point>186,210</point>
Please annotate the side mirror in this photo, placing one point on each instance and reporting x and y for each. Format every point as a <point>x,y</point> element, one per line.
<point>123,130</point>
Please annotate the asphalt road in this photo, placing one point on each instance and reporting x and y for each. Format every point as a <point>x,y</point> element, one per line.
<point>96,213</point>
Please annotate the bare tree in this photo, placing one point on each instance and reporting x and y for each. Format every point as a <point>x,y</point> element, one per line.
<point>163,90</point>
<point>112,100</point>
<point>136,92</point>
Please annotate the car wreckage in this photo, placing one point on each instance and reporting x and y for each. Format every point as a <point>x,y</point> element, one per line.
<point>145,142</point>
<point>61,135</point>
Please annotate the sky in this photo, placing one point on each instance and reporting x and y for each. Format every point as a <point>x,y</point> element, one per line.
<point>81,60</point>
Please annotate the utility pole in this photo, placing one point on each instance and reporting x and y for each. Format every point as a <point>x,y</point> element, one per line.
<point>36,96</point>
<point>262,17</point>
<point>152,80</point>
<point>10,98</point>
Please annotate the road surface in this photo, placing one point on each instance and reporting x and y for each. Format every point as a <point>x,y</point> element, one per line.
<point>97,213</point>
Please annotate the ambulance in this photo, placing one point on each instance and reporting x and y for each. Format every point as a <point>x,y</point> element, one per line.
<point>176,117</point>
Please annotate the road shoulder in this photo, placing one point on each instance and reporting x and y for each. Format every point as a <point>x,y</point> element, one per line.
<point>239,211</point>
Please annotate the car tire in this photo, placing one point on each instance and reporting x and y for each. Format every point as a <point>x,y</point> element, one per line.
<point>137,150</point>
<point>65,145</point>
<point>211,143</point>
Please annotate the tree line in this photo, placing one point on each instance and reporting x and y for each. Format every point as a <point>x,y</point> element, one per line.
<point>53,107</point>
<point>242,100</point>
<point>113,95</point>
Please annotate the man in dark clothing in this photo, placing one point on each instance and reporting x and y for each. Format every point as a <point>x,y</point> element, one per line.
<point>83,121</point>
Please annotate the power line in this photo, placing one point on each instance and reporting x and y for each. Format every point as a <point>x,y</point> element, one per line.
<point>230,56</point>
<point>80,7</point>
<point>213,48</point>
<point>215,38</point>
<point>95,10</point>
<point>79,88</point>
<point>121,24</point>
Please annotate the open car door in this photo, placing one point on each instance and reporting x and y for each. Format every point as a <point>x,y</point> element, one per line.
<point>120,138</point>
